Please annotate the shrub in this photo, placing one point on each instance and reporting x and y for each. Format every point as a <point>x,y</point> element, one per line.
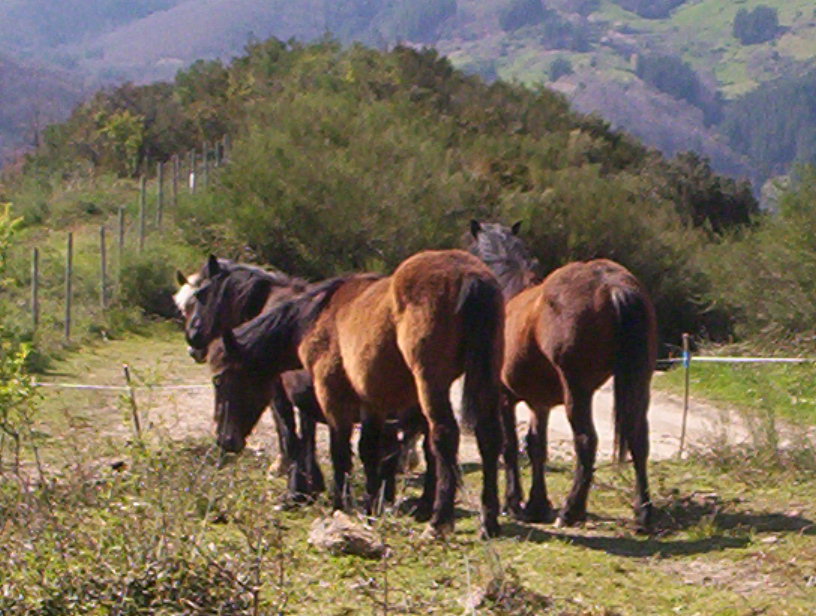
<point>757,26</point>
<point>559,68</point>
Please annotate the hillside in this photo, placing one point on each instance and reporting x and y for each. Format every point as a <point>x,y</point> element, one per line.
<point>33,97</point>
<point>665,71</point>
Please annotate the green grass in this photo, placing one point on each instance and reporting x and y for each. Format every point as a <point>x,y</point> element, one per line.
<point>787,390</point>
<point>169,530</point>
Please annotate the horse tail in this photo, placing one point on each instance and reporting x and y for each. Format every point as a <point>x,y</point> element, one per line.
<point>482,308</point>
<point>634,363</point>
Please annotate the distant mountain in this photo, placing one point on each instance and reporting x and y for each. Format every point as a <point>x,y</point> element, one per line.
<point>32,98</point>
<point>665,70</point>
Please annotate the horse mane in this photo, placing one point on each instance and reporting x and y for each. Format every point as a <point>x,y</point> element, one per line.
<point>505,254</point>
<point>279,327</point>
<point>277,278</point>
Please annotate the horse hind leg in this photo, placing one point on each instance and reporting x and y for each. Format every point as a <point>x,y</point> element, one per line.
<point>443,434</point>
<point>371,437</point>
<point>340,448</point>
<point>578,405</point>
<point>639,448</point>
<point>538,507</point>
<point>513,492</point>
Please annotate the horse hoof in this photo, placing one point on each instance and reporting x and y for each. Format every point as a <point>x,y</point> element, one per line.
<point>279,468</point>
<point>490,529</point>
<point>422,511</point>
<point>566,518</point>
<point>644,519</point>
<point>538,513</point>
<point>514,509</point>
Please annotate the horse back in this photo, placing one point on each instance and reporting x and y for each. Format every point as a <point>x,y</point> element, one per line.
<point>573,319</point>
<point>426,301</point>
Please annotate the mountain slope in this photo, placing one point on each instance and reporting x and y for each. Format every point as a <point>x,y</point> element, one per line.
<point>668,78</point>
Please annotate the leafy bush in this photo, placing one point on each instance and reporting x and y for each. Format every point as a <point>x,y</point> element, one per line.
<point>147,279</point>
<point>559,68</point>
<point>757,26</point>
<point>776,290</point>
<point>17,396</point>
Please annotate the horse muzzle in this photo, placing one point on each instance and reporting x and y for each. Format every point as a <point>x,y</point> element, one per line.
<point>199,355</point>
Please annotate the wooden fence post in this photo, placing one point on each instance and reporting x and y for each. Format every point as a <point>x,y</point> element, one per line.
<point>191,176</point>
<point>103,269</point>
<point>687,368</point>
<point>227,146</point>
<point>35,288</point>
<point>142,208</point>
<point>175,181</point>
<point>69,272</point>
<point>134,410</point>
<point>159,193</point>
<point>121,240</point>
<point>205,158</point>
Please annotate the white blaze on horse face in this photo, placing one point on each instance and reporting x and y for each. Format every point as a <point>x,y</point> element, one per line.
<point>183,298</point>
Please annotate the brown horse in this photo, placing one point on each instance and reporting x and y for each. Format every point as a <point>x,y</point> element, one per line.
<point>564,338</point>
<point>375,346</point>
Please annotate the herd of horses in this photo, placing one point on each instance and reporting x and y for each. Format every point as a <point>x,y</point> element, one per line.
<point>383,351</point>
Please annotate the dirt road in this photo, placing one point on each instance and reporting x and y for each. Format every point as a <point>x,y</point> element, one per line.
<point>189,413</point>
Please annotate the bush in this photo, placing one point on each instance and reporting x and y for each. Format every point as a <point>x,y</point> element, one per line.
<point>559,68</point>
<point>147,279</point>
<point>650,9</point>
<point>757,26</point>
<point>775,291</point>
<point>519,13</point>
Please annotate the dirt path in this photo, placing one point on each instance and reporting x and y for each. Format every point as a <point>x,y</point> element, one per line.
<point>181,413</point>
<point>189,413</point>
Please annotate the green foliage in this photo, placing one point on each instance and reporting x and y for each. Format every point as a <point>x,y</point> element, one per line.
<point>17,395</point>
<point>519,13</point>
<point>756,26</point>
<point>147,279</point>
<point>650,9</point>
<point>676,78</point>
<point>702,197</point>
<point>560,67</point>
<point>776,293</point>
<point>775,125</point>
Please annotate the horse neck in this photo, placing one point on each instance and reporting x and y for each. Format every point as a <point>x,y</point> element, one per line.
<point>513,282</point>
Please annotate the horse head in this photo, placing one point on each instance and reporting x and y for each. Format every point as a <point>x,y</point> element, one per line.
<point>505,253</point>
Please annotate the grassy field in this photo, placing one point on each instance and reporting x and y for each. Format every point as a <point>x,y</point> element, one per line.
<point>162,526</point>
<point>784,390</point>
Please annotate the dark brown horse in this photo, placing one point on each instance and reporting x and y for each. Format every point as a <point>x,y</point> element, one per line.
<point>224,294</point>
<point>375,346</point>
<point>564,337</point>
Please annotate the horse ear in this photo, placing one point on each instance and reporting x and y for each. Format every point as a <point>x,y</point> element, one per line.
<point>516,228</point>
<point>231,346</point>
<point>212,267</point>
<point>475,227</point>
<point>181,279</point>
